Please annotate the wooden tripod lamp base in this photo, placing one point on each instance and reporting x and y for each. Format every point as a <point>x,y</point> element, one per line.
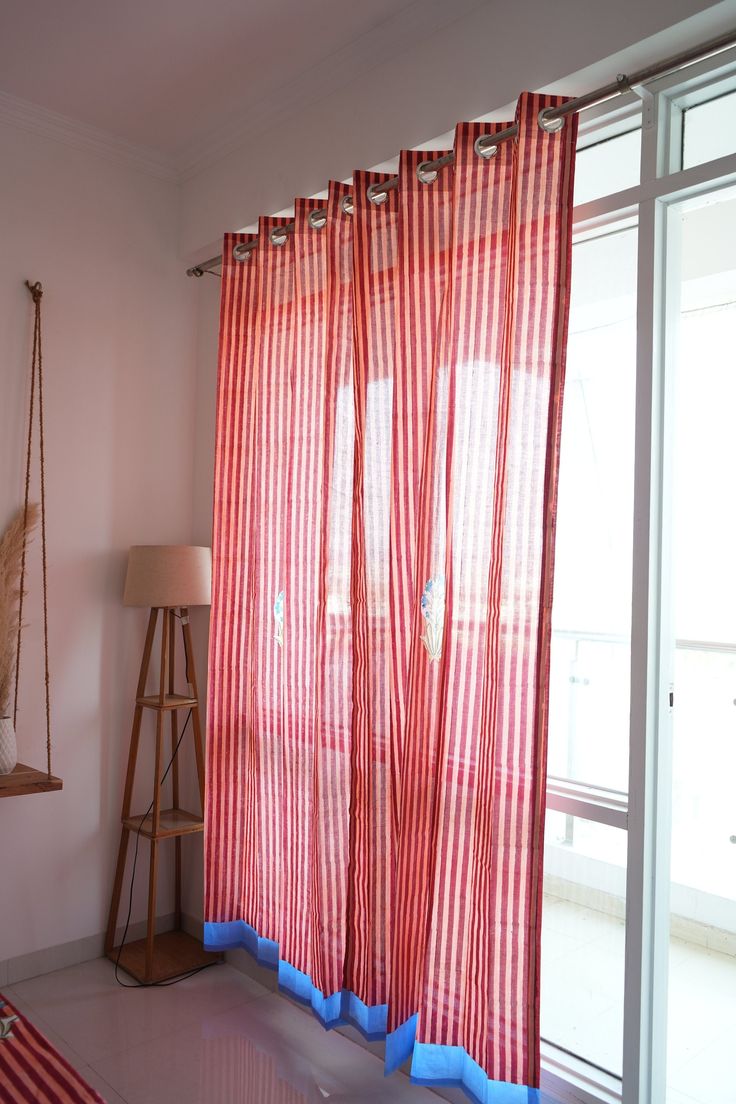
<point>152,573</point>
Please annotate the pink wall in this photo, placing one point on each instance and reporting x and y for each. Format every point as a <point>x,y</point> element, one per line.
<point>119,370</point>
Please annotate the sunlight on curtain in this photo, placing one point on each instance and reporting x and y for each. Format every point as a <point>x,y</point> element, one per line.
<point>389,411</point>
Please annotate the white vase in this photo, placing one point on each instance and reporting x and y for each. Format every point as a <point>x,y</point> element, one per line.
<point>8,746</point>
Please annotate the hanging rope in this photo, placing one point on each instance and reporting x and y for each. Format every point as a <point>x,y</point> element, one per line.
<point>36,371</point>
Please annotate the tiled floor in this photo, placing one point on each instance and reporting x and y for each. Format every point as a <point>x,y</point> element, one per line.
<point>216,1038</point>
<point>223,1038</point>
<point>582,1002</point>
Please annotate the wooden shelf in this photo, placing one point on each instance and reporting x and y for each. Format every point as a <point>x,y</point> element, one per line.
<point>26,780</point>
<point>175,953</point>
<point>171,701</point>
<point>171,823</point>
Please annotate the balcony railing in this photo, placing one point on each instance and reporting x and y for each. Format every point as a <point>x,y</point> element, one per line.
<point>589,735</point>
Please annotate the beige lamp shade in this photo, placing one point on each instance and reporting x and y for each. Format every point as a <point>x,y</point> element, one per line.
<point>167,575</point>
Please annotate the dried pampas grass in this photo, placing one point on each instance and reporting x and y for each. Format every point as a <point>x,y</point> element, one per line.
<point>11,558</point>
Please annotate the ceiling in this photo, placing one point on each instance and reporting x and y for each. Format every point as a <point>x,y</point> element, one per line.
<point>175,76</point>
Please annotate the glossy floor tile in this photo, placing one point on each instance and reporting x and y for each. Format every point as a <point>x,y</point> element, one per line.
<point>97,1017</point>
<point>223,1038</point>
<point>216,1038</point>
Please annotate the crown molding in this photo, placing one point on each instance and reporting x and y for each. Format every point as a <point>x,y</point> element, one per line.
<point>81,136</point>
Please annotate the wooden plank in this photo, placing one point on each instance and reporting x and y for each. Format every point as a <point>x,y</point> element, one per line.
<point>129,779</point>
<point>26,780</point>
<point>172,823</point>
<point>174,722</point>
<point>174,953</point>
<point>198,746</point>
<point>170,701</point>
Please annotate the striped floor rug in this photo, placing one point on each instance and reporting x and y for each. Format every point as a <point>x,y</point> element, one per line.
<point>31,1070</point>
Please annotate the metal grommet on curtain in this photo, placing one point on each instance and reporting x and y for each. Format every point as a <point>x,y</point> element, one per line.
<point>377,194</point>
<point>317,218</point>
<point>347,205</point>
<point>484,147</point>
<point>243,250</point>
<point>550,125</point>
<point>279,236</point>
<point>426,172</point>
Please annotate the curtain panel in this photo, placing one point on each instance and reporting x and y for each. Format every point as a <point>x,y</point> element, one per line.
<point>388,424</point>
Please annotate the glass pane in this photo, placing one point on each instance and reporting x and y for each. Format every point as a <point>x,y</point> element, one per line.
<point>709,131</point>
<point>702,977</point>
<point>609,166</point>
<point>583,935</point>
<point>589,680</point>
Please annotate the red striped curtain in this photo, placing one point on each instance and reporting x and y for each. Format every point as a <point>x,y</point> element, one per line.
<point>389,407</point>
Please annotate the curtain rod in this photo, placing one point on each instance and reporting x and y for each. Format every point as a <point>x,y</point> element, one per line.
<point>551,120</point>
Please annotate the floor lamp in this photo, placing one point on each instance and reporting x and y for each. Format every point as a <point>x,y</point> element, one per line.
<point>167,579</point>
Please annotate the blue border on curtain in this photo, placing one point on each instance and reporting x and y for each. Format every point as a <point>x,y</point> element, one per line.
<point>431,1063</point>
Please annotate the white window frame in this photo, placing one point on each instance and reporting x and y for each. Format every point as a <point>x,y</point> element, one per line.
<point>645,811</point>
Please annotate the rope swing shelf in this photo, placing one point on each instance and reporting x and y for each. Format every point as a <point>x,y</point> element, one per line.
<point>24,779</point>
<point>27,780</point>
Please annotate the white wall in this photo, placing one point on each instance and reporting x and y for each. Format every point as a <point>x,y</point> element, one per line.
<point>473,66</point>
<point>119,379</point>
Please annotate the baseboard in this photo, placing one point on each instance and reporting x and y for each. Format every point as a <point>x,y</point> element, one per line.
<point>681,927</point>
<point>48,959</point>
<point>705,935</point>
<point>244,962</point>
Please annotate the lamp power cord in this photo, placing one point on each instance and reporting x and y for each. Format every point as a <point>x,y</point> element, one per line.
<point>190,973</point>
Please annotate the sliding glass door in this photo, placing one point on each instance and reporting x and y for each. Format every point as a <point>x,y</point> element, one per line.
<point>639,923</point>
<point>702,953</point>
<point>584,918</point>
